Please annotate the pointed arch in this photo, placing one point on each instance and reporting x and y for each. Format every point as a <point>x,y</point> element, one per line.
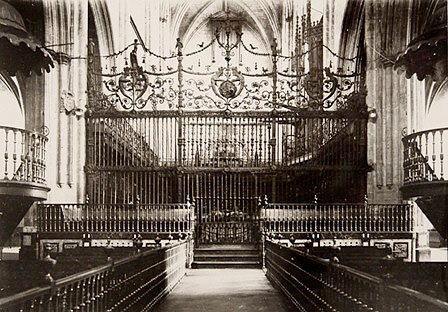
<point>352,29</point>
<point>183,18</point>
<point>101,18</point>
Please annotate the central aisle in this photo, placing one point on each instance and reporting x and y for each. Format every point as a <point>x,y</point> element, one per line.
<point>224,290</point>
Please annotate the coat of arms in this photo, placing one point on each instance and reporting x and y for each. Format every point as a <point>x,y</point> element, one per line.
<point>227,83</point>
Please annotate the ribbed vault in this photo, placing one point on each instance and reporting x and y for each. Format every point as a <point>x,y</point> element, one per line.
<point>261,17</point>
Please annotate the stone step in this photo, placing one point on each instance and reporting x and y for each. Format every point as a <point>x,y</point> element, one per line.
<point>227,252</point>
<point>226,264</point>
<point>226,247</point>
<point>226,257</point>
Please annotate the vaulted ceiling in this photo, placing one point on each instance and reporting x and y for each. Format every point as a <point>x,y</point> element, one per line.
<point>262,17</point>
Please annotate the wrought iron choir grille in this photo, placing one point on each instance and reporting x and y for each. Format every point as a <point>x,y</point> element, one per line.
<point>224,135</point>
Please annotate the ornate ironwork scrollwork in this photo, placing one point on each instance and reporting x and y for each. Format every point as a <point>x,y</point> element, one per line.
<point>227,87</point>
<point>338,88</point>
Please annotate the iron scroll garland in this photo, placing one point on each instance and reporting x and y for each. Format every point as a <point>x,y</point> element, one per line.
<point>134,88</point>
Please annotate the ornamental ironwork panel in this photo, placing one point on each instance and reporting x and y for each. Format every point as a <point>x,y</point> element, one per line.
<point>177,82</point>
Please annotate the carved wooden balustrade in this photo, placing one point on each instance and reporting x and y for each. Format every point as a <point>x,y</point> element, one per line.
<point>315,284</point>
<point>135,218</point>
<point>24,155</point>
<point>424,153</point>
<point>135,283</point>
<point>22,177</point>
<point>334,218</point>
<point>425,173</point>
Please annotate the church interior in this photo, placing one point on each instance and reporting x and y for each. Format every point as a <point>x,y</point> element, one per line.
<point>258,155</point>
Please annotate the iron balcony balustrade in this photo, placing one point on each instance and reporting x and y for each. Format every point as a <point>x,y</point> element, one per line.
<point>344,218</point>
<point>134,283</point>
<point>316,284</point>
<point>273,218</point>
<point>115,218</point>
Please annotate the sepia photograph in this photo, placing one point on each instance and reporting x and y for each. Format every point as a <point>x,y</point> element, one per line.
<point>223,155</point>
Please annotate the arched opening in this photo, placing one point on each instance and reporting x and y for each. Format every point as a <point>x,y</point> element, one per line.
<point>99,23</point>
<point>11,103</point>
<point>438,109</point>
<point>11,121</point>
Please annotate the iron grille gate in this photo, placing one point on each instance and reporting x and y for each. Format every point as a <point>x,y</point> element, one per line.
<point>162,137</point>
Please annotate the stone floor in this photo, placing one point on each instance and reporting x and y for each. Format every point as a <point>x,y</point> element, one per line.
<point>225,290</point>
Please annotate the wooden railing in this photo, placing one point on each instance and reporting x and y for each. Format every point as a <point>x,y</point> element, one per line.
<point>141,218</point>
<point>315,284</point>
<point>23,155</point>
<point>362,217</point>
<point>134,283</point>
<point>424,153</point>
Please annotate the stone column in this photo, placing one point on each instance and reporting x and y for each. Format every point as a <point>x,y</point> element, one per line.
<point>80,32</point>
<point>385,36</point>
<point>66,30</point>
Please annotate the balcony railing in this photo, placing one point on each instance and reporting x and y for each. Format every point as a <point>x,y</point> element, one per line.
<point>141,218</point>
<point>135,283</point>
<point>22,155</point>
<point>315,284</point>
<point>362,217</point>
<point>424,155</point>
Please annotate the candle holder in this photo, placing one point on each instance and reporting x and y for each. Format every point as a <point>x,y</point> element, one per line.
<point>48,264</point>
<point>158,240</point>
<point>108,249</point>
<point>292,239</point>
<point>138,243</point>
